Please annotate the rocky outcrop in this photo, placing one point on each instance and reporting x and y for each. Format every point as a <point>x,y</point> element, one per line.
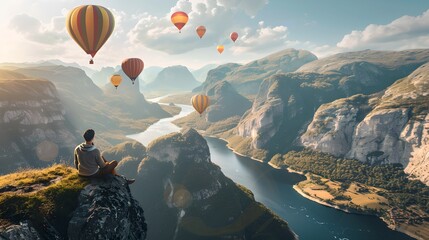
<point>390,127</point>
<point>172,79</point>
<point>68,207</point>
<point>107,210</point>
<point>34,131</point>
<point>186,196</point>
<point>285,103</point>
<point>225,102</point>
<point>247,78</point>
<point>129,155</point>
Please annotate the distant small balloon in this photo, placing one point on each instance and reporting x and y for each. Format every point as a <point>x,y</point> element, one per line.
<point>47,151</point>
<point>201,30</point>
<point>116,80</point>
<point>220,49</point>
<point>234,36</point>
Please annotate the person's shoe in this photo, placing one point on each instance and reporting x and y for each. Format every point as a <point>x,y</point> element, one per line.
<point>130,181</point>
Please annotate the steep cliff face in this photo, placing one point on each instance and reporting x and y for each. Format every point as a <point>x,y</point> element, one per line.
<point>286,103</point>
<point>54,203</point>
<point>34,131</point>
<point>107,210</point>
<point>186,196</point>
<point>225,102</point>
<point>87,106</point>
<point>247,78</point>
<point>216,75</point>
<point>390,127</point>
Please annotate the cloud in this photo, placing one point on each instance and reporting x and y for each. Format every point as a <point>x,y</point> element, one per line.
<point>402,33</point>
<point>262,39</point>
<point>218,16</point>
<point>32,29</point>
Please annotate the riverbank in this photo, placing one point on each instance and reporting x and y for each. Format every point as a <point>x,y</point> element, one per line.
<point>416,231</point>
<point>241,146</point>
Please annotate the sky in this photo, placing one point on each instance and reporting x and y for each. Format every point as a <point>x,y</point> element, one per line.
<point>34,30</point>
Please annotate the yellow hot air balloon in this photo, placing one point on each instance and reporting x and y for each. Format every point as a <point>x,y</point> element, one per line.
<point>201,30</point>
<point>116,80</point>
<point>220,49</point>
<point>90,26</point>
<point>179,19</point>
<point>200,103</point>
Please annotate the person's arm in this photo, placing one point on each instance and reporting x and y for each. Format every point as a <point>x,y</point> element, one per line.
<point>99,159</point>
<point>76,162</point>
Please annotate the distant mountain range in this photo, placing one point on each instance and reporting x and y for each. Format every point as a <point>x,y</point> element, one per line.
<point>170,80</point>
<point>55,103</point>
<point>201,73</point>
<point>247,78</point>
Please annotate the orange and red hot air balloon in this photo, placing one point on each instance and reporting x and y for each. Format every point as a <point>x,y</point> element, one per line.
<point>200,103</point>
<point>201,30</point>
<point>116,80</point>
<point>220,49</point>
<point>132,67</point>
<point>179,19</point>
<point>90,26</point>
<point>234,36</point>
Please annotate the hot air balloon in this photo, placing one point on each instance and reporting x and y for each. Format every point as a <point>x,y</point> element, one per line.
<point>220,49</point>
<point>200,103</point>
<point>132,67</point>
<point>90,26</point>
<point>179,19</point>
<point>116,79</point>
<point>201,30</point>
<point>234,36</point>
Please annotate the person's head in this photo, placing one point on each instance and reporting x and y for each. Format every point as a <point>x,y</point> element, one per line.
<point>89,135</point>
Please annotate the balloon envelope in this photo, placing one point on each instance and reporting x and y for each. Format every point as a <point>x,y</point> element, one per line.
<point>132,67</point>
<point>179,19</point>
<point>116,80</point>
<point>234,36</point>
<point>90,26</point>
<point>220,49</point>
<point>201,30</point>
<point>200,102</point>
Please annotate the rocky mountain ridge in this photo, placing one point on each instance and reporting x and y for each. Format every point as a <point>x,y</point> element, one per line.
<point>186,196</point>
<point>247,78</point>
<point>388,127</point>
<point>286,103</point>
<point>34,130</point>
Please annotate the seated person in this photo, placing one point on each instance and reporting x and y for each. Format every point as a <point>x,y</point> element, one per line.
<point>88,159</point>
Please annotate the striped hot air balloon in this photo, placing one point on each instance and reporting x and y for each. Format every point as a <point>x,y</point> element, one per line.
<point>116,80</point>
<point>200,103</point>
<point>201,30</point>
<point>179,19</point>
<point>90,26</point>
<point>132,67</point>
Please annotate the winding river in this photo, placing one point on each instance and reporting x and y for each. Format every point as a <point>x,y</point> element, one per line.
<point>274,188</point>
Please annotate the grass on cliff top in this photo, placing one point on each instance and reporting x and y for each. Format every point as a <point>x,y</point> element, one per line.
<point>49,194</point>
